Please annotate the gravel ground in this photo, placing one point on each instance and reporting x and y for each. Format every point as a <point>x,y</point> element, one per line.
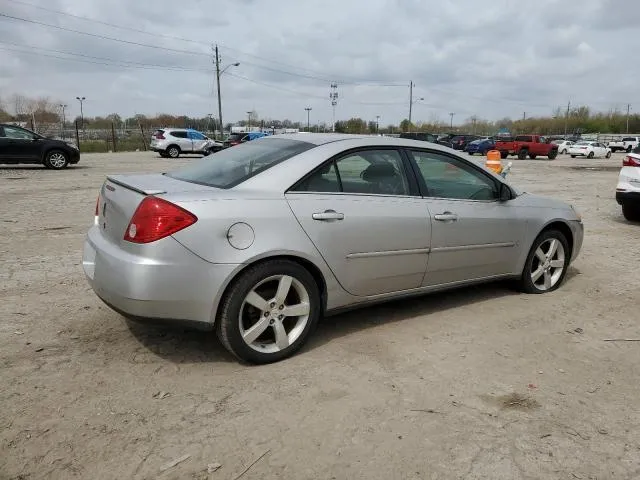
<point>477,383</point>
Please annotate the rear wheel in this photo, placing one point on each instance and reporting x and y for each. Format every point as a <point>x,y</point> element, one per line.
<point>552,154</point>
<point>631,212</point>
<point>564,151</point>
<point>504,155</point>
<point>56,160</point>
<point>629,148</point>
<point>173,151</point>
<point>546,264</point>
<point>522,154</point>
<point>591,155</point>
<point>608,155</point>
<point>269,312</point>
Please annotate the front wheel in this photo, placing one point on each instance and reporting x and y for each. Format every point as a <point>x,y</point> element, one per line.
<point>608,155</point>
<point>552,154</point>
<point>522,154</point>
<point>547,263</point>
<point>591,155</point>
<point>631,212</point>
<point>629,148</point>
<point>269,312</point>
<point>504,155</point>
<point>56,160</point>
<point>564,152</point>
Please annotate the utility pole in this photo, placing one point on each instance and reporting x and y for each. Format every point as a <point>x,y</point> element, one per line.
<point>566,119</point>
<point>524,115</point>
<point>628,109</point>
<point>81,100</point>
<point>308,109</point>
<point>451,114</point>
<point>217,60</point>
<point>410,101</point>
<point>62,106</point>
<point>377,124</point>
<point>333,96</point>
<point>249,121</point>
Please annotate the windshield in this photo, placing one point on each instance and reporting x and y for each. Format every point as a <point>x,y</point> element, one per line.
<point>232,166</point>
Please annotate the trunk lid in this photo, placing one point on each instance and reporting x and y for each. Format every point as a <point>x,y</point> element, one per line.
<point>120,195</point>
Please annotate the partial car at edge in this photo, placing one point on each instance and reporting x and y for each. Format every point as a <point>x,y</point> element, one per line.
<point>628,188</point>
<point>278,232</point>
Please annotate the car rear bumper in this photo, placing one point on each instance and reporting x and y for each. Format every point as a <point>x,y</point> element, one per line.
<point>632,198</point>
<point>185,288</point>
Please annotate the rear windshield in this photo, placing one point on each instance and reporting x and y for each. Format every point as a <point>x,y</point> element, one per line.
<point>232,166</point>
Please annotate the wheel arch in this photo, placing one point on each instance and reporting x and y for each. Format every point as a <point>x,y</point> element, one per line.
<point>306,263</point>
<point>555,224</point>
<point>48,150</point>
<point>171,145</point>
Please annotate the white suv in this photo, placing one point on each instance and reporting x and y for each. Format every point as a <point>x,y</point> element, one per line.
<point>171,142</point>
<point>628,189</point>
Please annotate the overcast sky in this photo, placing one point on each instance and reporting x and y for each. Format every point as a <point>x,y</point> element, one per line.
<point>490,58</point>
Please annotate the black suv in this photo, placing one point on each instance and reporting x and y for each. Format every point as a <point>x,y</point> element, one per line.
<point>460,142</point>
<point>425,137</point>
<point>19,145</point>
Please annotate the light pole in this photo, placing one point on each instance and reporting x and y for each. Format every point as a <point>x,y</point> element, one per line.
<point>308,109</point>
<point>62,106</point>
<point>451,114</point>
<point>81,100</point>
<point>249,120</point>
<point>218,75</point>
<point>377,124</point>
<point>210,115</point>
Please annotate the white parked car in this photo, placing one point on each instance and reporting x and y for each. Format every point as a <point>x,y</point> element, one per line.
<point>628,189</point>
<point>172,142</point>
<point>589,150</point>
<point>563,145</point>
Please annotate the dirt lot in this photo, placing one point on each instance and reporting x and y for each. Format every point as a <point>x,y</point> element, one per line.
<point>479,383</point>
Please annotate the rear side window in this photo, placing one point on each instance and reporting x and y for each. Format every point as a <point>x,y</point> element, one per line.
<point>523,138</point>
<point>179,134</point>
<point>157,133</point>
<point>233,166</point>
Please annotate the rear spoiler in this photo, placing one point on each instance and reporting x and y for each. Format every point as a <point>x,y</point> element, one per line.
<point>139,189</point>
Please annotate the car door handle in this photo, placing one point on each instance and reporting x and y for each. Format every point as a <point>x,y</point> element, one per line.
<point>328,216</point>
<point>446,217</point>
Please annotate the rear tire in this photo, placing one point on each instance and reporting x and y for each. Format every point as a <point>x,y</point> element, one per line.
<point>631,212</point>
<point>56,160</point>
<point>541,276</point>
<point>552,155</point>
<point>591,155</point>
<point>564,152</point>
<point>173,151</point>
<point>522,154</point>
<point>608,155</point>
<point>504,155</point>
<point>237,317</point>
<point>629,148</point>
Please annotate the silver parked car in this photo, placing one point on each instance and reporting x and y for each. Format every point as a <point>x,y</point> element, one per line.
<point>275,233</point>
<point>171,142</point>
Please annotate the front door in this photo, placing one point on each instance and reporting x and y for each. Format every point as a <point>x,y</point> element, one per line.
<point>198,141</point>
<point>473,234</point>
<point>19,145</point>
<point>363,217</point>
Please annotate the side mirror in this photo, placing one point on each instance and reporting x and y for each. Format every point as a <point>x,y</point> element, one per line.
<point>505,193</point>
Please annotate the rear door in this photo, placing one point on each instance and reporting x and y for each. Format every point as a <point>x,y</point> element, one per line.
<point>20,145</point>
<point>181,138</point>
<point>473,235</point>
<point>362,212</point>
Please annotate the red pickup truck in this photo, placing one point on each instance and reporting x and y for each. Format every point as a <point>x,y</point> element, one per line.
<point>523,145</point>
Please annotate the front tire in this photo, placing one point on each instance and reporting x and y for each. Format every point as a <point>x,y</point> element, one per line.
<point>522,154</point>
<point>608,155</point>
<point>552,155</point>
<point>564,152</point>
<point>269,312</point>
<point>504,155</point>
<point>591,155</point>
<point>546,264</point>
<point>56,160</point>
<point>629,148</point>
<point>631,212</point>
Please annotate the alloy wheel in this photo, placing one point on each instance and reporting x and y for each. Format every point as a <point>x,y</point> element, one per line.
<point>548,264</point>
<point>57,160</point>
<point>274,314</point>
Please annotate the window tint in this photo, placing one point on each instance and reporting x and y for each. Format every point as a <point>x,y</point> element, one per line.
<point>17,133</point>
<point>523,138</point>
<point>629,139</point>
<point>448,177</point>
<point>377,172</point>
<point>233,166</point>
<point>179,134</point>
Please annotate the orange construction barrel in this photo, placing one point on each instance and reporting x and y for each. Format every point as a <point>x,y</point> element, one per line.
<point>494,161</point>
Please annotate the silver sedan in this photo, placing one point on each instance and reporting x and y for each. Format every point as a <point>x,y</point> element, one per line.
<point>260,240</point>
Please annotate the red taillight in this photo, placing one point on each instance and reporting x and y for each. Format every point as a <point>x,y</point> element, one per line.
<point>155,219</point>
<point>630,161</point>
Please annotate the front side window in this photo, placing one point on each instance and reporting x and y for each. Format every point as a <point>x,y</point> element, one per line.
<point>233,166</point>
<point>196,136</point>
<point>449,177</point>
<point>179,134</point>
<point>17,133</point>
<point>373,172</point>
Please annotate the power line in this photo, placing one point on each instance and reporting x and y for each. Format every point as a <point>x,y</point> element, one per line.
<point>104,37</point>
<point>275,87</point>
<point>115,61</point>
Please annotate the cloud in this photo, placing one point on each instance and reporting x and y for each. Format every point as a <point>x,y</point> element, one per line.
<point>490,59</point>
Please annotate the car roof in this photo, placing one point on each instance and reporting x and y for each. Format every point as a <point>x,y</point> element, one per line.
<point>358,140</point>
